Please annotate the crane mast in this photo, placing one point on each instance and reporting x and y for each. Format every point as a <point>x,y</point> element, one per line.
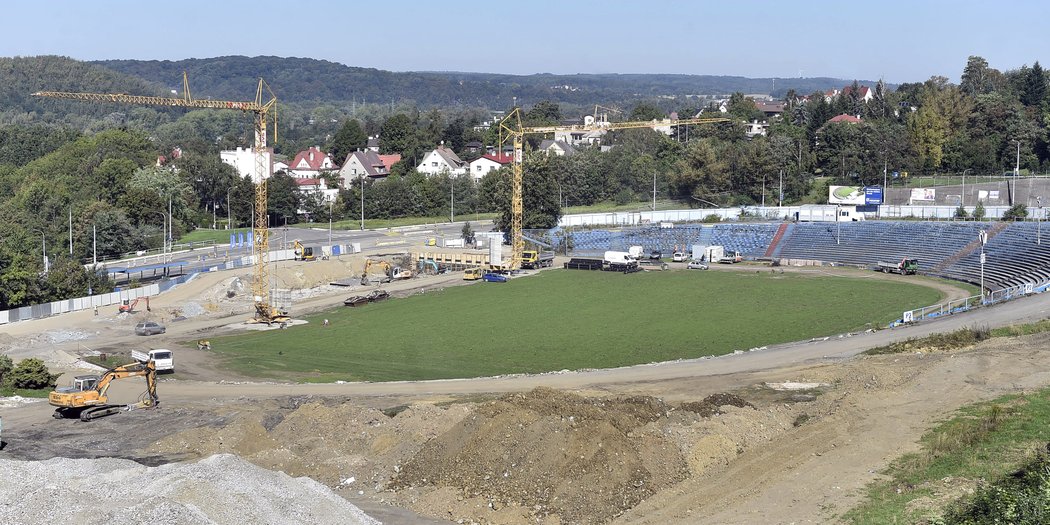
<point>264,308</point>
<point>511,130</point>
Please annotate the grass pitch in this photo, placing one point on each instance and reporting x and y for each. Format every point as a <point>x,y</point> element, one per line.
<point>565,319</point>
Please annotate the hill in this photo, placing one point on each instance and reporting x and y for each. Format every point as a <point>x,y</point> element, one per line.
<point>305,80</point>
<point>20,77</point>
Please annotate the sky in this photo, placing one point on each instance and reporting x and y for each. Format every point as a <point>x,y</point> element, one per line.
<point>896,40</point>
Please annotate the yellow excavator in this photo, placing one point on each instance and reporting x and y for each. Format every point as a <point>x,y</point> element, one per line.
<point>303,253</point>
<point>86,398</point>
<point>390,272</point>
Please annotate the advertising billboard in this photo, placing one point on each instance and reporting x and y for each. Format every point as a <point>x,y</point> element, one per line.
<point>923,194</point>
<point>846,195</point>
<point>872,195</point>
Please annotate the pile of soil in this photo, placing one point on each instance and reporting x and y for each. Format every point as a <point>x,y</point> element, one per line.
<point>712,404</point>
<point>548,452</point>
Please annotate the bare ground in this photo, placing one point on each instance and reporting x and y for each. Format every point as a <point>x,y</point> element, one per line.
<point>634,445</point>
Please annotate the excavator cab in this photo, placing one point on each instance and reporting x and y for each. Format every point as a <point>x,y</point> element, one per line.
<point>129,306</point>
<point>303,253</point>
<point>80,384</point>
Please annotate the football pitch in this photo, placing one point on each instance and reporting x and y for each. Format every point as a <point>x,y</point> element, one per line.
<point>569,320</point>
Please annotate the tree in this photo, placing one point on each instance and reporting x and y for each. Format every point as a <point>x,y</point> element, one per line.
<point>347,140</point>
<point>6,365</point>
<point>282,200</point>
<point>545,112</point>
<point>397,134</point>
<point>960,212</point>
<point>467,233</point>
<point>979,212</point>
<point>976,77</point>
<point>646,111</point>
<point>32,374</point>
<point>540,206</point>
<point>1033,86</point>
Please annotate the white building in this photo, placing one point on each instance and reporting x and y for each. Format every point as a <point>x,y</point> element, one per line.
<point>243,160</point>
<point>487,163</point>
<point>442,160</point>
<point>310,163</point>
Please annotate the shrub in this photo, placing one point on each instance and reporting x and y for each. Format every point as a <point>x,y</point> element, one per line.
<point>33,374</point>
<point>714,217</point>
<point>1022,498</point>
<point>979,212</point>
<point>5,366</point>
<point>1017,212</point>
<point>624,196</point>
<point>960,213</point>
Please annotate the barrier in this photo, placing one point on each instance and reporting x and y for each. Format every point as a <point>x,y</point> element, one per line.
<point>968,303</point>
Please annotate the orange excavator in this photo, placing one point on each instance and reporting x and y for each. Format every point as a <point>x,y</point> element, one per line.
<point>86,398</point>
<point>129,307</point>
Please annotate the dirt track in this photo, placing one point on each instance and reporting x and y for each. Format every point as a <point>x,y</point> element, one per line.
<point>744,466</point>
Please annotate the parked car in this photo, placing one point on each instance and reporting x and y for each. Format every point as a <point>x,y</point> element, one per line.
<point>696,265</point>
<point>678,257</point>
<point>378,295</point>
<point>149,328</point>
<point>495,278</point>
<point>655,254</point>
<point>357,300</point>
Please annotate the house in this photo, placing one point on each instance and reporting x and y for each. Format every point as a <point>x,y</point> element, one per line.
<point>310,163</point>
<point>317,187</point>
<point>845,118</point>
<point>830,95</point>
<point>373,144</point>
<point>243,160</point>
<point>442,160</point>
<point>556,147</point>
<point>486,163</point>
<point>756,128</point>
<point>771,108</point>
<point>864,93</point>
<point>366,163</point>
<point>474,147</point>
<point>580,137</point>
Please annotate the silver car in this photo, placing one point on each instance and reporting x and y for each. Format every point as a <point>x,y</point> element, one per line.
<point>696,265</point>
<point>149,328</point>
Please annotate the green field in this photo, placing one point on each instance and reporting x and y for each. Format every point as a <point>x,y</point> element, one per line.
<point>565,319</point>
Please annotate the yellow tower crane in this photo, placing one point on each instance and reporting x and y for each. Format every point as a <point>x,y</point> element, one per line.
<point>265,311</point>
<point>511,130</point>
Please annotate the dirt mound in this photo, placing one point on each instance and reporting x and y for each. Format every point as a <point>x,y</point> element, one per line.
<point>712,404</point>
<point>553,453</point>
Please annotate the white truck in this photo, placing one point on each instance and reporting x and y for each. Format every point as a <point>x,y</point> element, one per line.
<point>636,251</point>
<point>711,254</point>
<point>163,360</point>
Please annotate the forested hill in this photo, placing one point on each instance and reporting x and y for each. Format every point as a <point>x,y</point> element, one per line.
<point>20,77</point>
<point>306,80</point>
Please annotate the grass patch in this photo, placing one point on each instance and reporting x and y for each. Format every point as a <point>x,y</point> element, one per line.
<point>982,441</point>
<point>563,319</point>
<point>110,360</point>
<point>1022,329</point>
<point>960,338</point>
<point>6,391</point>
<point>215,236</point>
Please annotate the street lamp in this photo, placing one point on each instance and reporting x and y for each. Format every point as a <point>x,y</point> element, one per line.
<point>362,202</point>
<point>229,210</point>
<point>163,231</point>
<point>329,223</point>
<point>1017,173</point>
<point>838,227</point>
<point>983,236</point>
<point>962,201</point>
<point>452,205</point>
<point>1039,221</point>
<point>43,244</point>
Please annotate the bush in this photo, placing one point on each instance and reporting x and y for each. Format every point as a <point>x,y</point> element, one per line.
<point>1022,498</point>
<point>1017,212</point>
<point>714,217</point>
<point>31,373</point>
<point>960,213</point>
<point>624,196</point>
<point>5,366</point>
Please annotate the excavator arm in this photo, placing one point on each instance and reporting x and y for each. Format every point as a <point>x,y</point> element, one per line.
<point>93,404</point>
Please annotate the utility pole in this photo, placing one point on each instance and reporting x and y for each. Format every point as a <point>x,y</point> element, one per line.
<point>362,202</point>
<point>70,231</point>
<point>653,216</point>
<point>168,240</point>
<point>1017,173</point>
<point>452,205</point>
<point>94,247</point>
<point>329,223</point>
<point>983,236</point>
<point>763,190</point>
<point>780,202</point>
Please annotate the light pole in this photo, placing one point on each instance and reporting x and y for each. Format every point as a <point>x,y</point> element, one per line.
<point>838,227</point>
<point>329,223</point>
<point>983,236</point>
<point>1017,172</point>
<point>963,198</point>
<point>362,202</point>
<point>229,210</point>
<point>43,244</point>
<point>163,231</point>
<point>452,204</point>
<point>1039,221</point>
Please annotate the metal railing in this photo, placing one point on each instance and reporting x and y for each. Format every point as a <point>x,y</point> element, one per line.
<point>969,303</point>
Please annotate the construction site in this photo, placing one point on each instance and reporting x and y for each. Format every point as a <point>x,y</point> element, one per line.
<point>791,433</point>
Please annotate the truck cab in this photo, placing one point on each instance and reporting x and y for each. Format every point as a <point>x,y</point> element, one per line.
<point>163,359</point>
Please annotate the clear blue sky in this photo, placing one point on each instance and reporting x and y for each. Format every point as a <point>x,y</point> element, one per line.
<point>899,40</point>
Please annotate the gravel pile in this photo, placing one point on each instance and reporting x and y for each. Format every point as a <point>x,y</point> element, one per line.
<point>219,489</point>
